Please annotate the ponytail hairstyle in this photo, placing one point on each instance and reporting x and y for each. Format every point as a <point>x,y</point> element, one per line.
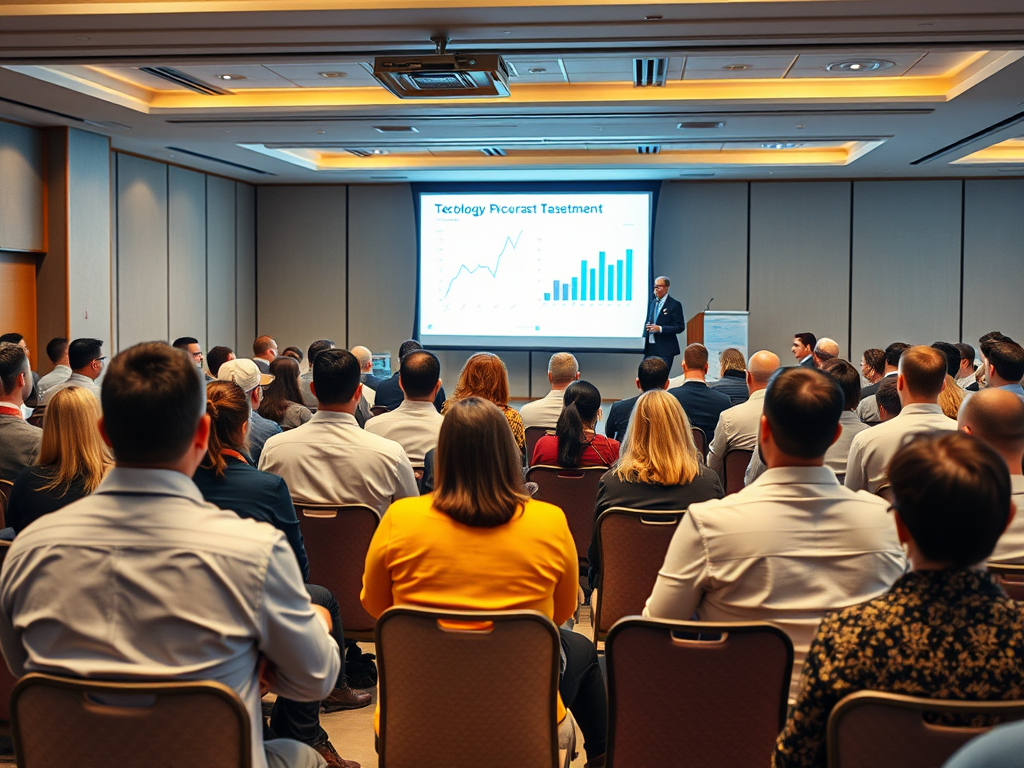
<point>582,402</point>
<point>228,407</point>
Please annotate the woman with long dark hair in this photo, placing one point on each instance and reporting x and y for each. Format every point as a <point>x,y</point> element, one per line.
<point>282,399</point>
<point>575,442</point>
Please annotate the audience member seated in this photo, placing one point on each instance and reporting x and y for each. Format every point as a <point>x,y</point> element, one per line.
<point>733,376</point>
<point>57,351</point>
<point>702,404</point>
<point>952,356</point>
<point>329,459</point>
<point>951,397</point>
<point>315,349</point>
<point>999,748</point>
<point>921,377</point>
<point>575,443</point>
<point>191,345</point>
<point>803,349</point>
<point>264,352</point>
<point>996,417</point>
<point>563,370</point>
<point>203,595</point>
<point>1006,367</point>
<point>389,394</point>
<point>872,368</point>
<point>965,373</point>
<point>216,357</point>
<point>85,356</point>
<point>652,373</point>
<point>282,400</point>
<point>227,479</point>
<point>246,374</point>
<point>793,545</point>
<point>479,542</point>
<point>415,423</point>
<point>71,463</point>
<point>868,408</point>
<point>484,375</point>
<point>366,375</point>
<point>19,440</point>
<point>826,349</point>
<point>985,347</point>
<point>32,399</point>
<point>737,426</point>
<point>659,466</point>
<point>946,630</point>
<point>887,399</point>
<point>293,352</point>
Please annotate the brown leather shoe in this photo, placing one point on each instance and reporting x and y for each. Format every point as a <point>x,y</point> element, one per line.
<point>334,760</point>
<point>345,698</point>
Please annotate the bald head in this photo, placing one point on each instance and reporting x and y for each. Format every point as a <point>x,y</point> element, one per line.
<point>996,417</point>
<point>826,349</point>
<point>364,357</point>
<point>922,373</point>
<point>563,370</point>
<point>760,368</point>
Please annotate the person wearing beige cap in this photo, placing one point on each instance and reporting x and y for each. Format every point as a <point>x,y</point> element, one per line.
<point>246,375</point>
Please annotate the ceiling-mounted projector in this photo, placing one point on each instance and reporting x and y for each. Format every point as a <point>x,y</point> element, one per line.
<point>443,76</point>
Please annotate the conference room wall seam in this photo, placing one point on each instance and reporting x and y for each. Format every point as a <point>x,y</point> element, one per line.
<point>963,221</point>
<point>746,305</point>
<point>849,285</point>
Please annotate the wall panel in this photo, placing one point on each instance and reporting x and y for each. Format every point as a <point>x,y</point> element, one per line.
<point>89,252</point>
<point>906,262</point>
<point>993,259</point>
<point>220,263</point>
<point>245,264</point>
<point>186,213</point>
<point>142,285</point>
<point>799,264</point>
<point>22,197</point>
<point>18,307</point>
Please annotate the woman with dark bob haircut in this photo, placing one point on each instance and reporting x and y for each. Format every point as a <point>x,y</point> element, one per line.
<point>479,542</point>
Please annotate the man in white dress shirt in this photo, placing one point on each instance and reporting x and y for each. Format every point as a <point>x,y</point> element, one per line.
<point>737,426</point>
<point>922,374</point>
<point>57,351</point>
<point>143,580</point>
<point>329,459</point>
<point>792,546</point>
<point>85,357</point>
<point>414,424</point>
<point>1006,367</point>
<point>996,417</point>
<point>563,370</point>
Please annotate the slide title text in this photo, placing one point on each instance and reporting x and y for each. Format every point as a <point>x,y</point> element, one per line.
<point>542,208</point>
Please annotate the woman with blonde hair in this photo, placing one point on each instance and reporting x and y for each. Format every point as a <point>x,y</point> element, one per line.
<point>71,463</point>
<point>659,465</point>
<point>484,375</point>
<point>480,543</point>
<point>951,397</point>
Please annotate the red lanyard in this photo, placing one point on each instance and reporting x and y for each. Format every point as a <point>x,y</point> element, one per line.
<point>234,454</point>
<point>11,410</point>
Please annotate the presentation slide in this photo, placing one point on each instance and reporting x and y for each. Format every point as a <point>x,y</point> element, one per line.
<point>530,271</point>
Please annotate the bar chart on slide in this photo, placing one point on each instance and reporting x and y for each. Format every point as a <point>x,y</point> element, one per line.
<point>595,284</point>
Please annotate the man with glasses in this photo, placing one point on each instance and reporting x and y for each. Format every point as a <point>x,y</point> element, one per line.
<point>85,356</point>
<point>664,323</point>
<point>191,345</point>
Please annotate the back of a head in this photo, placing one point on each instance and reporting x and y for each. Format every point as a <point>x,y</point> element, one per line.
<point>13,362</point>
<point>478,477</point>
<point>56,349</point>
<point>888,396</point>
<point>182,342</point>
<point>652,373</point>
<point>71,442</point>
<point>731,359</point>
<point>484,375</point>
<point>318,346</point>
<point>848,379</point>
<point>293,352</point>
<point>408,346</point>
<point>762,365</point>
<point>952,492</point>
<point>581,401</point>
<point>216,357</point>
<point>826,349</point>
<point>996,417</point>
<point>285,386</point>
<point>875,360</point>
<point>952,356</point>
<point>924,371</point>
<point>363,355</point>
<point>81,352</point>
<point>695,356</point>
<point>227,404</point>
<point>806,338</point>
<point>262,345</point>
<point>419,374</point>
<point>1007,357</point>
<point>803,407</point>
<point>658,447</point>
<point>893,353</point>
<point>11,338</point>
<point>966,352</point>
<point>563,368</point>
<point>335,376</point>
<point>985,342</point>
<point>153,398</point>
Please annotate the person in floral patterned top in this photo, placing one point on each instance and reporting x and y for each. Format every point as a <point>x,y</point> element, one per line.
<point>946,629</point>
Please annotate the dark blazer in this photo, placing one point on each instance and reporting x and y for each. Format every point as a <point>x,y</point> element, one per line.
<point>390,395</point>
<point>808,363</point>
<point>370,380</point>
<point>618,418</point>
<point>869,390</point>
<point>672,324</point>
<point>702,404</point>
<point>262,364</point>
<point>733,384</point>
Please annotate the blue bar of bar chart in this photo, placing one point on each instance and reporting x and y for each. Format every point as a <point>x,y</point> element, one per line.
<point>565,291</point>
<point>575,288</point>
<point>608,282</point>
<point>547,297</point>
<point>593,284</point>
<point>556,292</point>
<point>629,274</point>
<point>618,280</point>
<point>583,282</point>
<point>611,282</point>
<point>600,276</point>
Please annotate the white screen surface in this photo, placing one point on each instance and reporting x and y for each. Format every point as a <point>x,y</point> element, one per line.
<point>525,270</point>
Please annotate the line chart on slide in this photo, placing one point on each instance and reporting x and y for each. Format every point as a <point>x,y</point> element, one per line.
<point>509,242</point>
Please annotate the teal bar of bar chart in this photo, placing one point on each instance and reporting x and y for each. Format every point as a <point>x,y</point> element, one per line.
<point>607,282</point>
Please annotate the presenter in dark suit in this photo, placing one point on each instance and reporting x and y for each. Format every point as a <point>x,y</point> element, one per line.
<point>664,322</point>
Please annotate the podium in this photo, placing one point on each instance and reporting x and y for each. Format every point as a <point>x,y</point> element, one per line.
<point>718,331</point>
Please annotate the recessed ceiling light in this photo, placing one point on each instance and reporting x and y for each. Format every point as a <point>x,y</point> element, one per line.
<point>736,67</point>
<point>538,70</point>
<point>231,77</point>
<point>331,75</point>
<point>380,151</point>
<point>395,129</point>
<point>860,65</point>
<point>781,145</point>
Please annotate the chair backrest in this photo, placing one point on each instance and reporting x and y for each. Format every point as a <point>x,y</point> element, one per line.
<point>884,491</point>
<point>735,467</point>
<point>5,496</point>
<point>377,410</point>
<point>712,693</point>
<point>632,544</point>
<point>871,728</point>
<point>337,537</point>
<point>575,491</point>
<point>700,440</point>
<point>7,680</point>
<point>1011,577</point>
<point>533,434</point>
<point>94,724</point>
<point>458,688</point>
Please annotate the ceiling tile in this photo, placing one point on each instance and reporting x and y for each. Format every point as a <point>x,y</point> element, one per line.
<point>715,67</point>
<point>255,76</point>
<point>308,75</point>
<point>814,65</point>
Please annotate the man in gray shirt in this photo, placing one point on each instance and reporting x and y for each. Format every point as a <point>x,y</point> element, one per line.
<point>19,440</point>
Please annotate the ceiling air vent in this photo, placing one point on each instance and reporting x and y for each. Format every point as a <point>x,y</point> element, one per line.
<point>359,152</point>
<point>700,125</point>
<point>648,149</point>
<point>395,129</point>
<point>493,151</point>
<point>185,81</point>
<point>649,72</point>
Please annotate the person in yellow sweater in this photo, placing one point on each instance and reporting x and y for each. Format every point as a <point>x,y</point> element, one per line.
<point>479,542</point>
